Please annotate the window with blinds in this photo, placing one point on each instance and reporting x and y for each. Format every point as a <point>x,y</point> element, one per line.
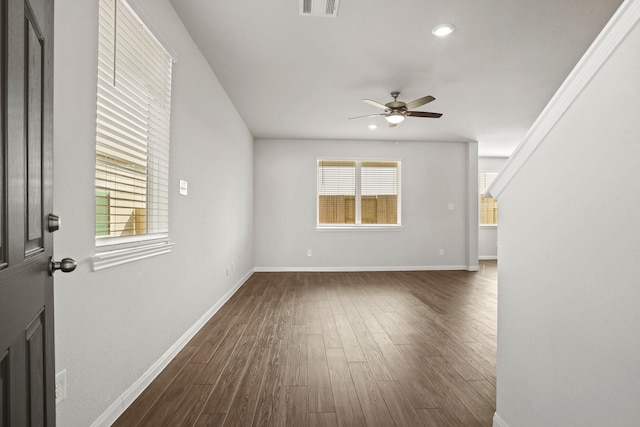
<point>488,206</point>
<point>132,131</point>
<point>354,192</point>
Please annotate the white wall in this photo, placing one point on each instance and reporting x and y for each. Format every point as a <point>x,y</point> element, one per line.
<point>433,175</point>
<point>112,325</point>
<point>488,234</point>
<point>569,293</point>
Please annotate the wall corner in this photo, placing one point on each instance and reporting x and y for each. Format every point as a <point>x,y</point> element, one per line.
<point>472,205</point>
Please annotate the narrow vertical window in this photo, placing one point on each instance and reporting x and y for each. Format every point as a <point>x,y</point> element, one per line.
<point>132,131</point>
<point>488,206</point>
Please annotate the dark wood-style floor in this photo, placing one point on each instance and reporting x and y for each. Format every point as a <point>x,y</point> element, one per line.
<point>337,349</point>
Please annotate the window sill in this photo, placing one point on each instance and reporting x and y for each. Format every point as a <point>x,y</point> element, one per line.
<point>114,255</point>
<point>488,225</point>
<point>366,227</point>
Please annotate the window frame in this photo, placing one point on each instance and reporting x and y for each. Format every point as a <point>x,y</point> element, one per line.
<point>116,250</point>
<point>358,195</point>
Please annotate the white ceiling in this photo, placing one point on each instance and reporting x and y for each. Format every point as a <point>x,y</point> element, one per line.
<point>293,76</point>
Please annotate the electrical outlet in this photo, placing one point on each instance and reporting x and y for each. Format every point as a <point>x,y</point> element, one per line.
<point>441,251</point>
<point>308,252</point>
<point>61,386</point>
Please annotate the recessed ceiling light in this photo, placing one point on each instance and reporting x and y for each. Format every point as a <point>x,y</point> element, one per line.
<point>372,126</point>
<point>443,30</point>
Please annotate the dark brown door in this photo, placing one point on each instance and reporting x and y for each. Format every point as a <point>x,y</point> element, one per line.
<point>26,294</point>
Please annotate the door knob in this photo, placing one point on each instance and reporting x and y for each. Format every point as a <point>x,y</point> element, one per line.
<point>66,265</point>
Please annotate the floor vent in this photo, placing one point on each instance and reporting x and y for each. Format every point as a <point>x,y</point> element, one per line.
<point>327,8</point>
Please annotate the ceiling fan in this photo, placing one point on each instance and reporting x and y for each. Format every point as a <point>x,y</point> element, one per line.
<point>396,111</point>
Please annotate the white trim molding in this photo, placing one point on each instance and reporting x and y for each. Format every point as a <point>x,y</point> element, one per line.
<point>367,268</point>
<point>622,22</point>
<point>111,256</point>
<point>129,396</point>
<point>360,227</point>
<point>498,422</point>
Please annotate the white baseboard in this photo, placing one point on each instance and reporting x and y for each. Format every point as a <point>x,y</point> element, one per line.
<point>369,268</point>
<point>127,398</point>
<point>498,422</point>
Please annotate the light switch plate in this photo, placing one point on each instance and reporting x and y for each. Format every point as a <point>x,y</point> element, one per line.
<point>183,187</point>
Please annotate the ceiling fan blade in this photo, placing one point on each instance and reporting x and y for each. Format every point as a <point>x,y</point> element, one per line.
<point>419,102</point>
<point>423,114</point>
<point>369,115</point>
<point>375,103</point>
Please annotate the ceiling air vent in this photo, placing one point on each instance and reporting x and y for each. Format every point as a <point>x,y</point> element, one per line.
<point>327,8</point>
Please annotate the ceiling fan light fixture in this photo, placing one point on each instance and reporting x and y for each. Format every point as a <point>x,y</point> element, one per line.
<point>394,118</point>
<point>443,30</point>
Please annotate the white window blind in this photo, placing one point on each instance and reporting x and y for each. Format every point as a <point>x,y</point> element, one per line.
<point>358,192</point>
<point>132,132</point>
<point>379,192</point>
<point>336,192</point>
<point>488,206</point>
